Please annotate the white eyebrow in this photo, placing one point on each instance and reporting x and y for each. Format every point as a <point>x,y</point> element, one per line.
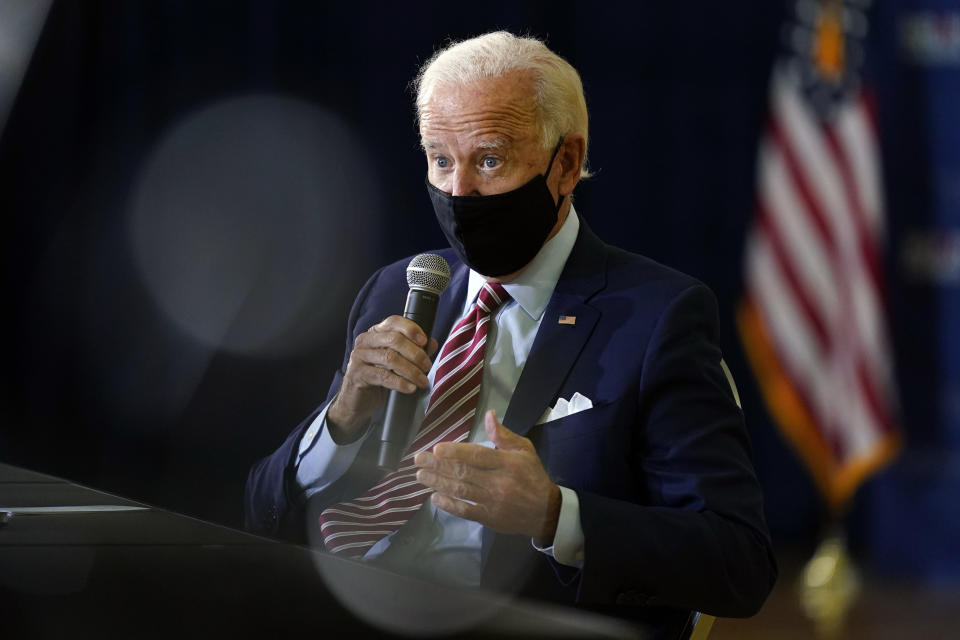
<point>495,144</point>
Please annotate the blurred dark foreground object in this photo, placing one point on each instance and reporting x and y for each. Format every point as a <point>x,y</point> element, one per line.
<point>82,563</point>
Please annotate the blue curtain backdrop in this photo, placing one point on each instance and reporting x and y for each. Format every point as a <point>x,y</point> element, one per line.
<point>175,176</point>
<point>911,521</point>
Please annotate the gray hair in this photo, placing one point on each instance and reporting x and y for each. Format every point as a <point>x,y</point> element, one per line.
<point>561,106</point>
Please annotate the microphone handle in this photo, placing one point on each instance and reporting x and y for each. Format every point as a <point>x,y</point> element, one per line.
<point>421,307</point>
<point>395,436</point>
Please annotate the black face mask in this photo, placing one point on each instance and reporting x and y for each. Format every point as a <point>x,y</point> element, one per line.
<point>498,234</point>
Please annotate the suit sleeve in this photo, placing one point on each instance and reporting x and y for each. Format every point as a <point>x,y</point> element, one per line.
<point>274,504</point>
<point>701,541</point>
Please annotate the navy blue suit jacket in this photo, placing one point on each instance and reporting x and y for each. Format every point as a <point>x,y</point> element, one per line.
<point>669,503</point>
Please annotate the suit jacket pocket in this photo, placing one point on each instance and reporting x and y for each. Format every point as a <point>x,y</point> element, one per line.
<point>591,449</point>
<point>588,423</point>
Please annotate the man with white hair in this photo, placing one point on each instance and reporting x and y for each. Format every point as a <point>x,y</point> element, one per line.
<point>578,440</point>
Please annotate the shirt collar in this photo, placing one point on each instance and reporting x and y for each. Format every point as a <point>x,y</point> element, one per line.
<point>534,285</point>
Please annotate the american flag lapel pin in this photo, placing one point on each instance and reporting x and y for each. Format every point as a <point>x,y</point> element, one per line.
<point>567,320</point>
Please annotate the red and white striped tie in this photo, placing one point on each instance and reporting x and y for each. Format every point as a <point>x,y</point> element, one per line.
<point>351,528</point>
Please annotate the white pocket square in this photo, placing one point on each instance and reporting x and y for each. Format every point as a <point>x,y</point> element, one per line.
<point>577,403</point>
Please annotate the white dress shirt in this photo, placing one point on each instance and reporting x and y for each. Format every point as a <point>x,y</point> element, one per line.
<point>434,543</point>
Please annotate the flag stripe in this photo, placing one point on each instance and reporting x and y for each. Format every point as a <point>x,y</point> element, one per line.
<point>857,138</point>
<point>786,268</point>
<point>807,199</point>
<point>791,336</point>
<point>865,243</point>
<point>780,202</point>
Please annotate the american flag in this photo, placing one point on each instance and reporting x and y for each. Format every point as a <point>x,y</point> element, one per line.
<point>813,315</point>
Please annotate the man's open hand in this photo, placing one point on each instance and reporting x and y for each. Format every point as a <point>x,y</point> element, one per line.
<point>508,485</point>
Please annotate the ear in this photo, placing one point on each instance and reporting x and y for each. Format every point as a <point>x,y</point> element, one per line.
<point>570,158</point>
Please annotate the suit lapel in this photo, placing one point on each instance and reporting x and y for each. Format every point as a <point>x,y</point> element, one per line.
<point>557,346</point>
<point>554,352</point>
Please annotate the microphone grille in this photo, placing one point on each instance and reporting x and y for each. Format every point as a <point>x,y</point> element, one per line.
<point>429,272</point>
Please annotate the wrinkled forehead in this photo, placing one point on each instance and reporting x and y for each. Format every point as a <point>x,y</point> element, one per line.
<point>506,102</point>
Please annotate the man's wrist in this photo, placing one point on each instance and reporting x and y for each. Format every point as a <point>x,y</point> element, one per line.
<point>566,546</point>
<point>553,516</point>
<point>342,430</point>
<point>343,436</point>
<point>321,460</point>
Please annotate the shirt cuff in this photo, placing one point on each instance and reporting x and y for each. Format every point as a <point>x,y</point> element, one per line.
<point>567,547</point>
<point>320,460</point>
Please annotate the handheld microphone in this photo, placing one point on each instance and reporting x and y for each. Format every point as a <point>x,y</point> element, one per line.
<point>427,275</point>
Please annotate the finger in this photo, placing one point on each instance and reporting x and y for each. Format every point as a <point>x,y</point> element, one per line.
<point>453,469</point>
<point>502,437</point>
<point>394,341</point>
<point>406,326</point>
<point>452,487</point>
<point>372,376</point>
<point>459,508</point>
<point>425,460</point>
<point>389,361</point>
<point>432,347</point>
<point>475,455</point>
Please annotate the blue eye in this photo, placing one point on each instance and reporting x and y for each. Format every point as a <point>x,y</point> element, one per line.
<point>442,162</point>
<point>491,162</point>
